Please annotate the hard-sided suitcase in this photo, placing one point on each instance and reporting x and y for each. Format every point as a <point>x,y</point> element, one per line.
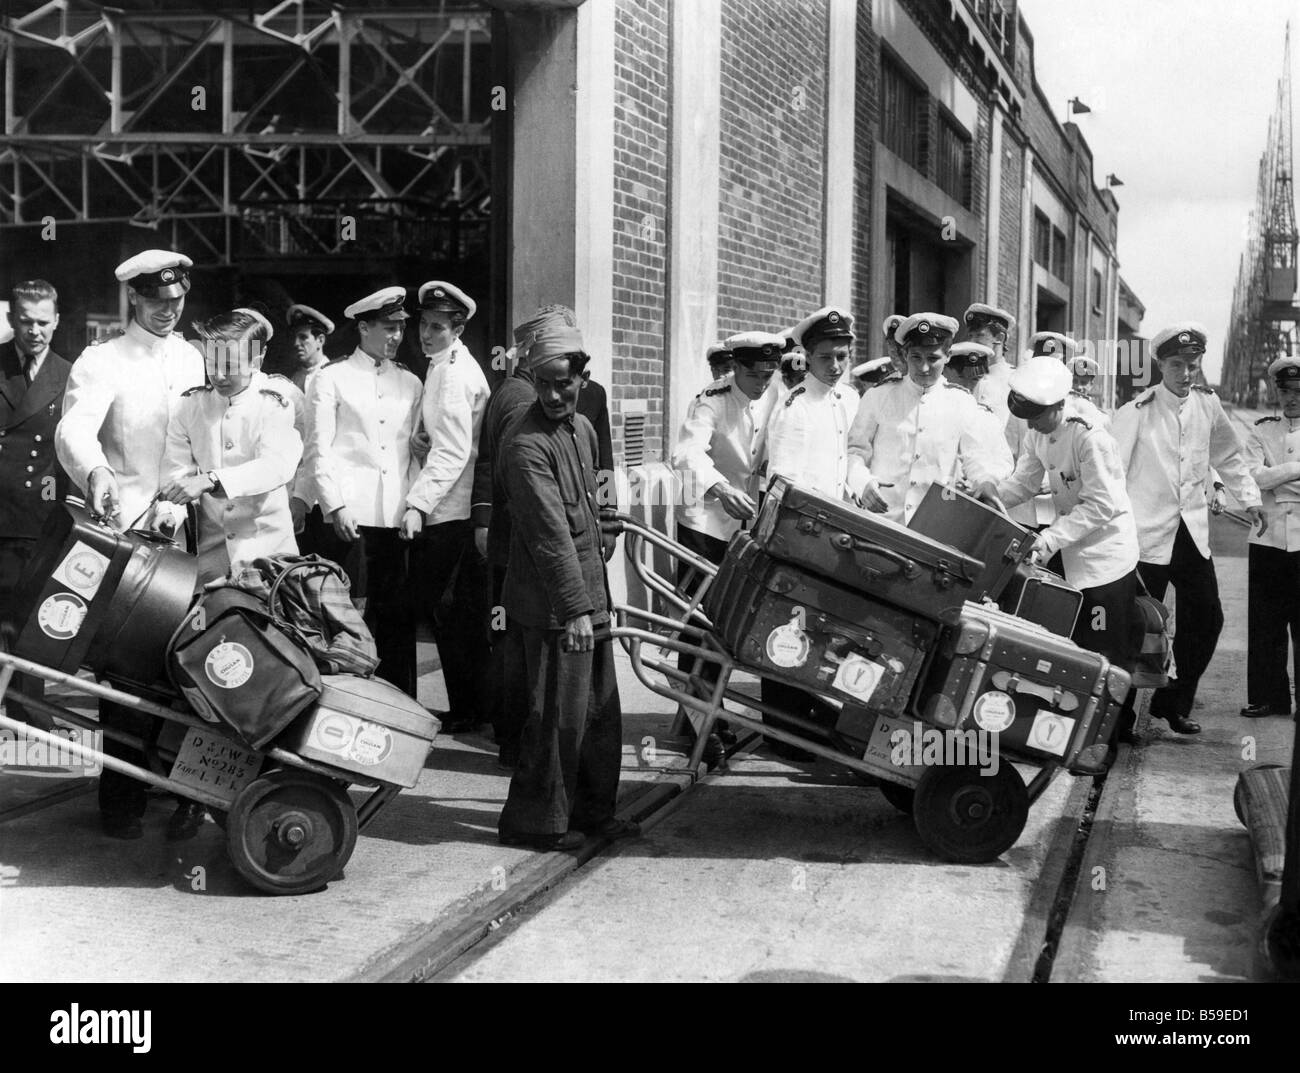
<point>864,551</point>
<point>99,598</point>
<point>367,726</point>
<point>1044,696</point>
<point>1038,595</point>
<point>978,530</point>
<point>806,630</point>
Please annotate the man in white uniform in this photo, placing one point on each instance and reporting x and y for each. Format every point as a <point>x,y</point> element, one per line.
<point>308,329</point>
<point>968,367</point>
<point>361,414</point>
<point>991,327</point>
<point>918,431</point>
<point>1094,531</point>
<point>232,446</point>
<point>808,430</point>
<point>1273,455</point>
<point>111,441</point>
<point>1168,437</point>
<point>455,399</point>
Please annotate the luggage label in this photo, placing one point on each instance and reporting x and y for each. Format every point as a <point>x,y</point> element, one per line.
<point>789,646</point>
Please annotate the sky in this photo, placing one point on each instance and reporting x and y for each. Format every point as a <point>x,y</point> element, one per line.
<point>1181,92</point>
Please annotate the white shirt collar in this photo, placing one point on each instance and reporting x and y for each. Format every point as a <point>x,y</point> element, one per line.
<point>143,336</point>
<point>364,361</point>
<point>1173,400</point>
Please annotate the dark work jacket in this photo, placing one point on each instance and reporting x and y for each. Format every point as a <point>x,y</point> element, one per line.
<point>594,406</point>
<point>488,510</point>
<point>28,416</point>
<point>556,571</point>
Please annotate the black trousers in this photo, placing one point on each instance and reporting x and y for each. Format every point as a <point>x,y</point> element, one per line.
<point>15,554</point>
<point>314,539</point>
<point>121,795</point>
<point>571,749</point>
<point>1108,625</point>
<point>378,568</point>
<point>1198,625</point>
<point>453,586</point>
<point>1274,592</point>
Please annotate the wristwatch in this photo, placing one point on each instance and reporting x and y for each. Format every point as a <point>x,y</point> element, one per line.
<point>216,483</point>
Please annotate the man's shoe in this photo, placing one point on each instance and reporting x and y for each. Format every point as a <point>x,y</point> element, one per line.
<point>715,753</point>
<point>186,821</point>
<point>1180,724</point>
<point>1255,711</point>
<point>544,843</point>
<point>115,825</point>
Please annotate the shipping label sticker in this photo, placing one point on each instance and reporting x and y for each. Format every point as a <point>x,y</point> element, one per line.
<point>229,665</point>
<point>61,615</point>
<point>787,646</point>
<point>995,711</point>
<point>1051,732</point>
<point>334,732</point>
<point>82,570</point>
<point>215,763</point>
<point>858,677</point>
<point>372,744</point>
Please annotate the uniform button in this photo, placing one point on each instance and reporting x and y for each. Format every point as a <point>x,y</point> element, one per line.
<point>383,471</point>
<point>230,536</point>
<point>27,484</point>
<point>31,469</point>
<point>229,446</point>
<point>381,420</point>
<point>35,454</point>
<point>230,507</point>
<point>38,438</point>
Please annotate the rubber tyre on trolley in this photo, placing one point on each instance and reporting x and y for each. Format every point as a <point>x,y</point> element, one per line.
<point>290,832</point>
<point>967,816</point>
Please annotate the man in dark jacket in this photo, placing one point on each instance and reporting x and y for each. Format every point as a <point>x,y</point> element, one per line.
<point>32,379</point>
<point>556,596</point>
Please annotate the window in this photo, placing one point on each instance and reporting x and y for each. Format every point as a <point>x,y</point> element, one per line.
<point>1042,240</point>
<point>954,159</point>
<point>1058,267</point>
<point>1098,300</point>
<point>902,112</point>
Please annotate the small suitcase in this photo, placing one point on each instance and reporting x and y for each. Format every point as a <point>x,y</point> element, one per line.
<point>367,726</point>
<point>1039,595</point>
<point>96,597</point>
<point>978,530</point>
<point>864,551</point>
<point>1045,697</point>
<point>810,632</point>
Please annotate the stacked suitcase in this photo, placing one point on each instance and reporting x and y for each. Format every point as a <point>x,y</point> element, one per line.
<point>888,620</point>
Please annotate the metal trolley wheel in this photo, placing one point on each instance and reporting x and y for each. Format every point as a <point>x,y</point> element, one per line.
<point>966,816</point>
<point>290,832</point>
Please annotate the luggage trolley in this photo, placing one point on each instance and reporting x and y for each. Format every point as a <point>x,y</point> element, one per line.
<point>108,601</point>
<point>290,824</point>
<point>960,813</point>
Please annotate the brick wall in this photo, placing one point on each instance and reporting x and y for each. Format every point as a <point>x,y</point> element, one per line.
<point>981,145</point>
<point>1009,249</point>
<point>770,231</point>
<point>641,151</point>
<point>867,124</point>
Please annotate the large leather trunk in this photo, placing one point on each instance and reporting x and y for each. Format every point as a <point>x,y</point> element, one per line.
<point>99,598</point>
<point>1046,697</point>
<point>1038,595</point>
<point>864,551</point>
<point>811,632</point>
<point>979,531</point>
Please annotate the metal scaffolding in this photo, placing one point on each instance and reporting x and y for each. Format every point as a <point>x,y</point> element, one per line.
<point>309,130</point>
<point>1265,316</point>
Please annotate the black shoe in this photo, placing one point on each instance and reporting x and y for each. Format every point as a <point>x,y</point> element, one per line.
<point>1255,711</point>
<point>544,843</point>
<point>715,753</point>
<point>115,825</point>
<point>186,821</point>
<point>1180,724</point>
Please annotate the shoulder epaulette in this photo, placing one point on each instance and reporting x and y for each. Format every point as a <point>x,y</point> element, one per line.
<point>1263,419</point>
<point>197,387</point>
<point>985,407</point>
<point>794,394</point>
<point>711,391</point>
<point>1080,394</point>
<point>959,387</point>
<point>1203,389</point>
<point>278,376</point>
<point>275,395</point>
<point>1078,421</point>
<point>1142,400</point>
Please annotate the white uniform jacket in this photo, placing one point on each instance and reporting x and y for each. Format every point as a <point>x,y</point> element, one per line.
<point>992,390</point>
<point>360,417</point>
<point>1273,455</point>
<point>455,399</point>
<point>721,440</point>
<point>1166,446</point>
<point>911,438</point>
<point>1094,528</point>
<point>1090,411</point>
<point>120,395</point>
<point>807,436</point>
<point>250,442</point>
